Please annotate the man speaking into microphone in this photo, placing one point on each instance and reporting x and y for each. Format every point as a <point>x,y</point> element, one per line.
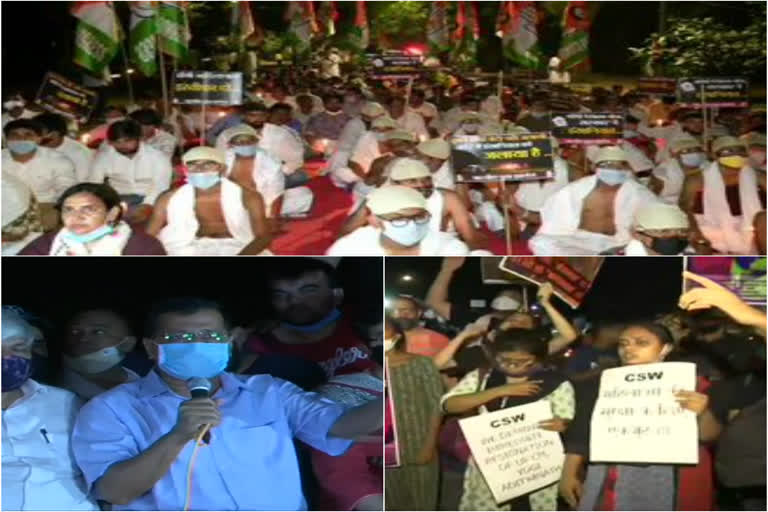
<point>137,444</point>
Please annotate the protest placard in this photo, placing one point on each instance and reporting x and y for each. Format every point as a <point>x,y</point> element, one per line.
<point>207,87</point>
<point>657,85</point>
<point>514,455</point>
<point>743,275</point>
<point>394,66</point>
<point>713,92</point>
<point>637,420</point>
<point>587,129</point>
<point>571,277</point>
<point>507,157</point>
<point>62,96</point>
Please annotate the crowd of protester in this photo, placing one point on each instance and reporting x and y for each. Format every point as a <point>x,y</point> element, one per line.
<point>99,413</point>
<point>511,355</point>
<point>340,163</point>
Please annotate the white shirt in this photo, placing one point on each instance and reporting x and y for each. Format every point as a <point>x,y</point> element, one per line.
<point>353,130</point>
<point>426,110</point>
<point>413,123</point>
<point>444,177</point>
<point>366,151</point>
<point>365,241</point>
<point>48,174</point>
<point>40,474</point>
<point>80,155</point>
<point>147,174</point>
<point>282,143</point>
<point>559,77</point>
<point>163,141</point>
<point>84,388</point>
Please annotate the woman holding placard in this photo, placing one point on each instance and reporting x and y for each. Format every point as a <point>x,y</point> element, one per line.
<point>516,377</point>
<point>634,486</point>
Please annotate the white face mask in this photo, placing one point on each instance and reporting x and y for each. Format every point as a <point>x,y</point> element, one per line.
<point>95,362</point>
<point>389,344</point>
<point>11,104</point>
<point>692,159</point>
<point>505,303</point>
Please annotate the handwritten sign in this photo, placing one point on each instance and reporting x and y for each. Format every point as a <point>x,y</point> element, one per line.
<point>637,420</point>
<point>394,66</point>
<point>586,129</point>
<point>514,455</point>
<point>522,157</point>
<point>713,92</point>
<point>571,277</point>
<point>62,96</point>
<point>743,275</point>
<point>657,85</point>
<point>206,87</point>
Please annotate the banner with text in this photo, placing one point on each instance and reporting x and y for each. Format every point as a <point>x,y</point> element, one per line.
<point>571,277</point>
<point>208,87</point>
<point>713,92</point>
<point>637,420</point>
<point>514,455</point>
<point>507,157</point>
<point>657,85</point>
<point>586,129</point>
<point>394,66</point>
<point>62,96</point>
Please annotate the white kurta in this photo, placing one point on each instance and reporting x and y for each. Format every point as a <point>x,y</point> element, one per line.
<point>365,241</point>
<point>147,174</point>
<point>350,135</point>
<point>534,194</point>
<point>672,175</point>
<point>281,143</point>
<point>427,110</point>
<point>48,174</point>
<point>413,123</point>
<point>163,141</point>
<point>80,155</point>
<point>444,178</point>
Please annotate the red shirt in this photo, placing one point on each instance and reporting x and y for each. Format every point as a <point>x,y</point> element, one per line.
<point>341,353</point>
<point>425,342</point>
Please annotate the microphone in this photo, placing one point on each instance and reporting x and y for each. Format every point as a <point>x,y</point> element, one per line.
<point>200,387</point>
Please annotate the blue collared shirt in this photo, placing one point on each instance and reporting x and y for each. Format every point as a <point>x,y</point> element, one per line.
<point>222,124</point>
<point>250,463</point>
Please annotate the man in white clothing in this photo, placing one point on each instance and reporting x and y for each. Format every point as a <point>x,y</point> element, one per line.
<point>353,131</point>
<point>210,215</point>
<point>418,104</point>
<point>152,132</point>
<point>14,108</point>
<point>39,472</point>
<point>55,137</point>
<point>21,215</point>
<point>405,119</point>
<point>139,172</point>
<point>686,157</point>
<point>399,225</point>
<point>370,147</point>
<point>593,214</point>
<point>659,229</point>
<point>436,154</point>
<point>756,147</point>
<point>689,124</point>
<point>46,172</point>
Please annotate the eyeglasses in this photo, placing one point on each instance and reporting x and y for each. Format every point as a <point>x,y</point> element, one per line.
<point>201,336</point>
<point>402,222</point>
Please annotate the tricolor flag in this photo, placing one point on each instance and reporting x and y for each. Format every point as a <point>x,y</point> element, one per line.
<point>243,24</point>
<point>143,37</point>
<point>522,44</point>
<point>173,29</point>
<point>361,33</point>
<point>97,35</point>
<point>438,33</point>
<point>327,16</point>
<point>574,49</point>
<point>301,16</point>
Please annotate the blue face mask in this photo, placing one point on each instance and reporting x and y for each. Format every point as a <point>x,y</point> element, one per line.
<point>246,151</point>
<point>90,237</point>
<point>408,235</point>
<point>612,177</point>
<point>16,371</point>
<point>22,147</point>
<point>317,326</point>
<point>189,360</point>
<point>692,159</point>
<point>204,180</point>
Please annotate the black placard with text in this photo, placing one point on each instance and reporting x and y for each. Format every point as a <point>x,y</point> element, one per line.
<point>209,87</point>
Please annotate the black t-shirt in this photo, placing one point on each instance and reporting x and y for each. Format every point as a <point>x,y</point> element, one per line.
<point>735,393</point>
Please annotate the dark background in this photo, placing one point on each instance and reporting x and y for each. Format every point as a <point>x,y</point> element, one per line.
<point>625,289</point>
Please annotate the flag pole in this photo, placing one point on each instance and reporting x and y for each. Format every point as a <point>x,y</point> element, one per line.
<point>507,232</point>
<point>131,99</point>
<point>163,81</point>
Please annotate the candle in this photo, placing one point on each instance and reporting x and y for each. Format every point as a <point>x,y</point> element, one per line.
<point>86,138</point>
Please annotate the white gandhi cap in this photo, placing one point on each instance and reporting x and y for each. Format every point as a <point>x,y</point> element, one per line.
<point>393,198</point>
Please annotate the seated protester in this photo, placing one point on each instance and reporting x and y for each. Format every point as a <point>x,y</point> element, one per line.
<point>305,110</point>
<point>592,214</point>
<point>686,158</point>
<point>39,472</point>
<point>399,144</point>
<point>756,147</point>
<point>636,487</point>
<point>278,94</point>
<point>327,125</point>
<point>475,126</point>
<point>760,232</point>
<point>278,141</point>
<point>229,120</point>
<point>21,215</point>
<point>641,144</point>
<point>210,215</point>
<point>451,119</point>
<point>723,200</point>
<point>397,226</point>
<point>418,104</point>
<point>306,298</point>
<point>138,171</point>
<point>281,114</point>
<point>140,469</point>
<point>353,131</point>
<point>637,156</point>
<point>152,132</point>
<point>557,72</point>
<point>407,314</point>
<point>55,137</point>
<point>689,124</point>
<point>112,114</point>
<point>536,118</point>
<point>436,155</point>
<point>91,215</point>
<point>661,229</point>
<point>254,169</point>
<point>45,171</point>
<point>95,345</point>
<point>516,375</point>
<point>14,107</point>
<point>406,120</point>
<point>371,146</point>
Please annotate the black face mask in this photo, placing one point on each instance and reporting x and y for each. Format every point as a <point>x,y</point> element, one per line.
<point>426,192</point>
<point>406,324</point>
<point>669,246</point>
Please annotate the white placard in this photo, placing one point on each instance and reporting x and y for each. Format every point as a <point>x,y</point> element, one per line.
<point>636,418</point>
<point>514,455</point>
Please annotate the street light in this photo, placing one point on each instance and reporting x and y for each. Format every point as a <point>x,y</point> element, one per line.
<point>407,278</point>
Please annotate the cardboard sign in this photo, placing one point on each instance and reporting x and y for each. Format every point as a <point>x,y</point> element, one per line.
<point>637,420</point>
<point>657,85</point>
<point>514,455</point>
<point>743,275</point>
<point>65,97</point>
<point>520,157</point>
<point>571,277</point>
<point>587,129</point>
<point>394,66</point>
<point>208,87</point>
<point>713,92</point>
